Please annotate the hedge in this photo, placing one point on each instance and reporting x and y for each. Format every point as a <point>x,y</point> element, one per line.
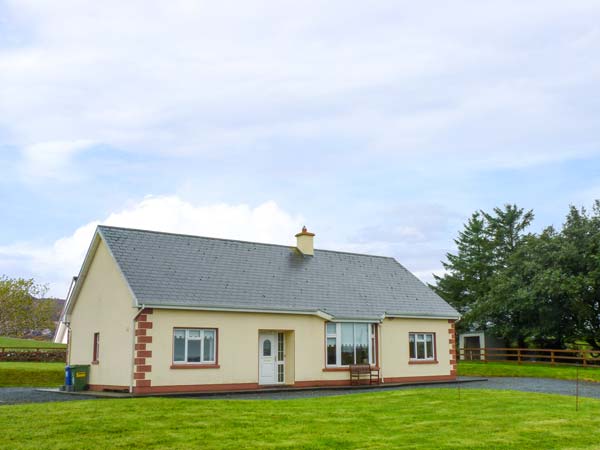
<point>35,355</point>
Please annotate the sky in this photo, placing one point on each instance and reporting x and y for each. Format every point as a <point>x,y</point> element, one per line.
<point>381,126</point>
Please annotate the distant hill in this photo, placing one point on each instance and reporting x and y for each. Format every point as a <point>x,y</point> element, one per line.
<point>59,305</point>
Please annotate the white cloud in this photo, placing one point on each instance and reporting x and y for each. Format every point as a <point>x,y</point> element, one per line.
<point>426,276</point>
<point>50,159</point>
<point>474,82</point>
<point>56,263</point>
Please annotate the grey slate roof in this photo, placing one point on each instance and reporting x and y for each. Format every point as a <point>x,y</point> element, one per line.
<point>166,269</point>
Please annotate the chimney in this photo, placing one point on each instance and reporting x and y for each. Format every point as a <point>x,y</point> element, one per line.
<point>304,242</point>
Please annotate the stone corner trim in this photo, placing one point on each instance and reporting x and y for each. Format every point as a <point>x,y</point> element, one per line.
<point>143,369</point>
<point>452,342</point>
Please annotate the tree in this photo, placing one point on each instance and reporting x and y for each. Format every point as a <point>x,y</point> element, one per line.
<point>579,260</point>
<point>472,275</point>
<point>530,289</point>
<point>469,271</point>
<point>528,303</point>
<point>507,229</point>
<point>21,311</point>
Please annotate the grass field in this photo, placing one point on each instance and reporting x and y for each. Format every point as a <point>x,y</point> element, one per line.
<point>416,419</point>
<point>15,342</point>
<point>31,374</point>
<point>470,368</point>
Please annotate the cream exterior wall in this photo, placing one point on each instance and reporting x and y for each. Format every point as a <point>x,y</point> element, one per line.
<point>104,305</point>
<point>394,347</point>
<point>305,348</point>
<point>289,352</point>
<point>237,346</point>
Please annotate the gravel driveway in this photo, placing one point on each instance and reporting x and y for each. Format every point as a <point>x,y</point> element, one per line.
<point>564,387</point>
<point>543,385</point>
<point>11,396</point>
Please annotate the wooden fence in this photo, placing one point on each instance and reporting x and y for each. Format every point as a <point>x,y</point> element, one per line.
<point>575,357</point>
<point>37,354</point>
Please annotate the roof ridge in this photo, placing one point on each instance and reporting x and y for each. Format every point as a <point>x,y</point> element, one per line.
<point>169,233</point>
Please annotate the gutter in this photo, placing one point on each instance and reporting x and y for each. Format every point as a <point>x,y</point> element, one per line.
<point>68,327</point>
<point>140,310</point>
<point>63,314</point>
<point>317,313</point>
<point>419,316</point>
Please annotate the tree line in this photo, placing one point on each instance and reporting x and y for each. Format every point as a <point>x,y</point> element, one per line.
<point>529,289</point>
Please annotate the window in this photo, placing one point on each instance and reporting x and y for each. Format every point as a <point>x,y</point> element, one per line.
<point>194,345</point>
<point>280,346</point>
<point>280,358</point>
<point>96,350</point>
<point>349,343</point>
<point>267,347</point>
<point>422,346</point>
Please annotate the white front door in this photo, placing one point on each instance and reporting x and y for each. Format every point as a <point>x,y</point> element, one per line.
<point>267,364</point>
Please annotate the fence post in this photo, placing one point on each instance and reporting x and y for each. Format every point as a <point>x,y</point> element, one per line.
<point>485,358</point>
<point>577,390</point>
<point>552,358</point>
<point>519,355</point>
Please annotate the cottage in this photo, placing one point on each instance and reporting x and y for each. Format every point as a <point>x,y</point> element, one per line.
<point>161,312</point>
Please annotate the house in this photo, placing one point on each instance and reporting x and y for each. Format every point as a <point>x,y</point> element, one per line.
<point>472,345</point>
<point>60,334</point>
<point>159,312</point>
<point>61,331</point>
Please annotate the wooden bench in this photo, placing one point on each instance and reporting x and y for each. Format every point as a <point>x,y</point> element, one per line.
<point>359,372</point>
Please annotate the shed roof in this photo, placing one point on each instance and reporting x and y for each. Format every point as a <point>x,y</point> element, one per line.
<point>182,271</point>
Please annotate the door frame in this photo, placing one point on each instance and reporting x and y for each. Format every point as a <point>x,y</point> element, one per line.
<point>462,351</point>
<point>277,337</point>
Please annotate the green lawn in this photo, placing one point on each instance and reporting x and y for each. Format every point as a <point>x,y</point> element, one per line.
<point>416,419</point>
<point>470,368</point>
<point>31,374</point>
<point>15,342</point>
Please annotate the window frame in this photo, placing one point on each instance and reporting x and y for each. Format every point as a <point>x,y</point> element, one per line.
<point>280,357</point>
<point>428,359</point>
<point>214,363</point>
<point>96,348</point>
<point>371,344</point>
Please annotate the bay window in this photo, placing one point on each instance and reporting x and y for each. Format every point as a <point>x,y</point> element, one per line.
<point>421,346</point>
<point>194,346</point>
<point>349,343</point>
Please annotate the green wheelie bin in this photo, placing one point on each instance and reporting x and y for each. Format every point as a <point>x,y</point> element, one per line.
<point>81,377</point>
